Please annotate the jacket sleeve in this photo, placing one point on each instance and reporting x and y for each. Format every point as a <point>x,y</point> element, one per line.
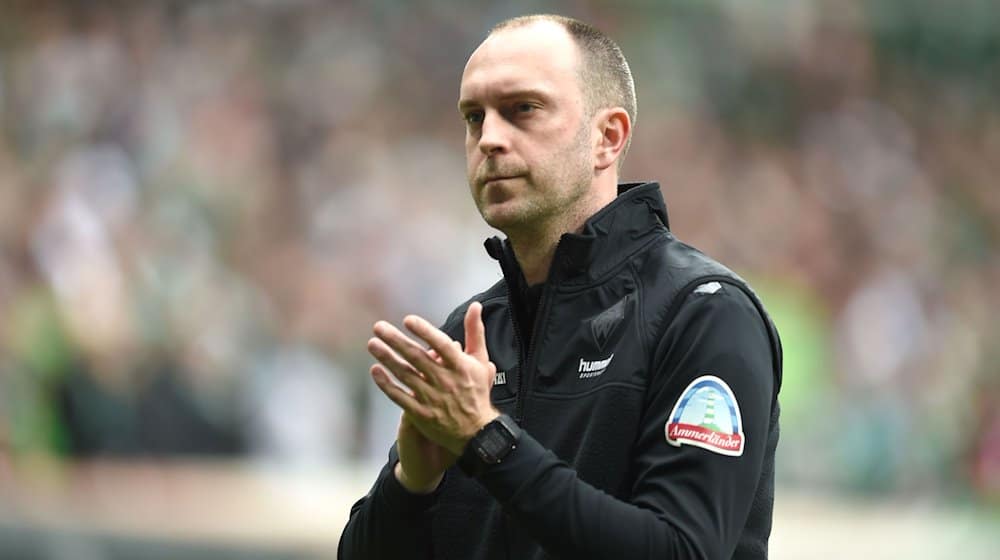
<point>687,501</point>
<point>390,522</point>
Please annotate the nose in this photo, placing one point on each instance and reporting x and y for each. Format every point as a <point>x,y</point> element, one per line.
<point>494,135</point>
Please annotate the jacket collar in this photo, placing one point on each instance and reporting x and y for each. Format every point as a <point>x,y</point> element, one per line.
<point>607,237</point>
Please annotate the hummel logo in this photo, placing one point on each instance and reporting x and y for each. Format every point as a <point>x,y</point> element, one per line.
<point>500,378</point>
<point>594,368</point>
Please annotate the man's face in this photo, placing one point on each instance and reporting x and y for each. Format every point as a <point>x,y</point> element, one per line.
<point>527,144</point>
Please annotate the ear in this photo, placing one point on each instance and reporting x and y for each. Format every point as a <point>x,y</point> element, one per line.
<point>613,130</point>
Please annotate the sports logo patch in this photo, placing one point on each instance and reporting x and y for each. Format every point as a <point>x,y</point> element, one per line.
<point>605,323</point>
<point>595,367</point>
<point>707,416</point>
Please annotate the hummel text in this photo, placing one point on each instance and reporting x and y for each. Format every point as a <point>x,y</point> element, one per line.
<point>594,368</point>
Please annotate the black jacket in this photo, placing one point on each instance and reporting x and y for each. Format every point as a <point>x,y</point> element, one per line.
<point>622,455</point>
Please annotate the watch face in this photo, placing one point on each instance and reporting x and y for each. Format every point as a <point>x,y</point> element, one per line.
<point>486,456</point>
<point>495,443</point>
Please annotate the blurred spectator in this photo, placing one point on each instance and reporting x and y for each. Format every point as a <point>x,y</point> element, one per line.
<point>205,205</point>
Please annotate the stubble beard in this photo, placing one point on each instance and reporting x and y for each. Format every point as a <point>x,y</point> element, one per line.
<point>551,193</point>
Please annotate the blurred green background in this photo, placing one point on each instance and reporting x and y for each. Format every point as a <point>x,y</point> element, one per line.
<point>205,205</point>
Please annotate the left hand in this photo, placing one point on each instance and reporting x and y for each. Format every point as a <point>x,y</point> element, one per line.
<point>449,389</point>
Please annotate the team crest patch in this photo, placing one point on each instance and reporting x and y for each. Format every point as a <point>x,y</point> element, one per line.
<point>605,323</point>
<point>707,416</point>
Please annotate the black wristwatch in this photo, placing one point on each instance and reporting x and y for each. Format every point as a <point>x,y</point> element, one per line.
<point>490,445</point>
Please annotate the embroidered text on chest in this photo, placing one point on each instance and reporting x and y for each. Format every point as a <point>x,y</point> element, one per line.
<point>595,367</point>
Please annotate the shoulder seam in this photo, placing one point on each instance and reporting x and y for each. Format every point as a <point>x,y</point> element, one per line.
<point>767,323</point>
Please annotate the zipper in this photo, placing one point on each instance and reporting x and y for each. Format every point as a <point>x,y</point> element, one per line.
<point>525,354</point>
<point>512,302</point>
<point>529,373</point>
<point>517,337</point>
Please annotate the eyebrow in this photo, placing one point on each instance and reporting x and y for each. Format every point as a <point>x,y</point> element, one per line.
<point>464,104</point>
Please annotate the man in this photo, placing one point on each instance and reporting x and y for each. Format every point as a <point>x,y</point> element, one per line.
<point>615,396</point>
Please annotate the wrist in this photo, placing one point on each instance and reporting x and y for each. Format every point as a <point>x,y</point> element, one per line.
<point>490,446</point>
<point>415,487</point>
<point>485,419</point>
<point>477,427</point>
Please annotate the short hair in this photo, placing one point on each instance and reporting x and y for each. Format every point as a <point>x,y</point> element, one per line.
<point>605,78</point>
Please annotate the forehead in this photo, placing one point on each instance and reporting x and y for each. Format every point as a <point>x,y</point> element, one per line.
<point>540,55</point>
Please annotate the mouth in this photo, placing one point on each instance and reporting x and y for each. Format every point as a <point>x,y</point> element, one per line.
<point>495,178</point>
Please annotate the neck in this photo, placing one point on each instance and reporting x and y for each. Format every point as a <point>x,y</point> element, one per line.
<point>535,245</point>
<point>534,253</point>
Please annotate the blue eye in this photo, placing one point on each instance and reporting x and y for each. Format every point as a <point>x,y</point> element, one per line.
<point>475,117</point>
<point>525,107</point>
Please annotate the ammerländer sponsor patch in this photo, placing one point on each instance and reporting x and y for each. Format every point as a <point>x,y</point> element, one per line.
<point>707,416</point>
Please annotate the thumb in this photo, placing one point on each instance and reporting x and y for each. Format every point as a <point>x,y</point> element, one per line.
<point>475,332</point>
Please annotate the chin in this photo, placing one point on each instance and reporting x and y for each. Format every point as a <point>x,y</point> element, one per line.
<point>503,216</point>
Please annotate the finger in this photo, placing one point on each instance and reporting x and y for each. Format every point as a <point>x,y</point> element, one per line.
<point>441,343</point>
<point>407,349</point>
<point>475,332</point>
<point>401,369</point>
<point>434,355</point>
<point>437,358</point>
<point>413,381</point>
<point>397,394</point>
<point>381,370</point>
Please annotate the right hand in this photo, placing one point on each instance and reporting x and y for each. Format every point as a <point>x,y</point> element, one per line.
<point>423,462</point>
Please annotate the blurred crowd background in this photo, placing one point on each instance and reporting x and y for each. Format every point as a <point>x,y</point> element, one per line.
<point>204,206</point>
